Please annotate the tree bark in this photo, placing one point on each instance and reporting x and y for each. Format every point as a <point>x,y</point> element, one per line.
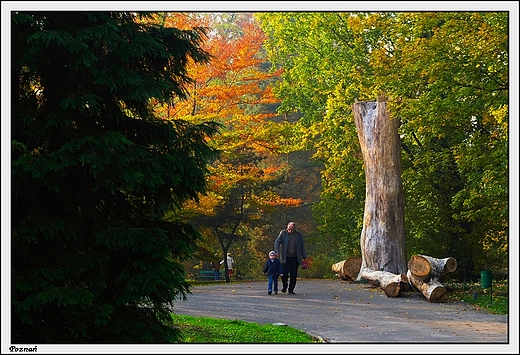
<point>390,283</point>
<point>348,270</point>
<point>383,244</point>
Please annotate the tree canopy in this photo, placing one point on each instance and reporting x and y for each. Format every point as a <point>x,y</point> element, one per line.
<point>446,75</point>
<point>94,170</point>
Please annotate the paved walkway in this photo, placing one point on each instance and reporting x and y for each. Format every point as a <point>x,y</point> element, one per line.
<point>336,311</point>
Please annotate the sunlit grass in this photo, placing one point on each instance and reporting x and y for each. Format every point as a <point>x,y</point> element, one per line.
<point>210,330</point>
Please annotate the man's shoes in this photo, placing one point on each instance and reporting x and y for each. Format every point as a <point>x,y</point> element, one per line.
<point>284,289</point>
<point>275,292</point>
<point>269,292</point>
<point>292,293</point>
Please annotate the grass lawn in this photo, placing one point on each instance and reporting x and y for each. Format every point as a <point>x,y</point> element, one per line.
<point>210,330</point>
<point>495,299</point>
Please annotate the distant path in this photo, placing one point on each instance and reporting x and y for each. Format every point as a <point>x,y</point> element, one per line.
<point>341,312</point>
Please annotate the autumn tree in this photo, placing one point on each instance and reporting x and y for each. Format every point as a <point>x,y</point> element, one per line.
<point>235,90</point>
<point>93,172</point>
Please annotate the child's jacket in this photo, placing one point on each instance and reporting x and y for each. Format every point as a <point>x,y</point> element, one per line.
<point>273,267</point>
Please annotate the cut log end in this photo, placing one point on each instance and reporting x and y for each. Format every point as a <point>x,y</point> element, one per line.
<point>438,295</point>
<point>392,289</point>
<point>419,265</point>
<point>451,265</point>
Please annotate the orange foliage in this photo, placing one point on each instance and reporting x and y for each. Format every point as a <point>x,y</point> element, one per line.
<point>233,81</point>
<point>233,89</point>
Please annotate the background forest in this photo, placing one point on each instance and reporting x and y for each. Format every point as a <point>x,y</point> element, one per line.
<point>283,85</point>
<point>144,146</point>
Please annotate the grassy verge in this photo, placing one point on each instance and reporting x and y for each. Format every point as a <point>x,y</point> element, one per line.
<point>495,299</point>
<point>210,330</point>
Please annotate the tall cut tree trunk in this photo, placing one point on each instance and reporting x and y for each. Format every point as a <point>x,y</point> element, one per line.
<point>383,244</point>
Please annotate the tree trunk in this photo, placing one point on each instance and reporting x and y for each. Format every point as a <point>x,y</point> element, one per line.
<point>390,283</point>
<point>383,245</point>
<point>348,270</point>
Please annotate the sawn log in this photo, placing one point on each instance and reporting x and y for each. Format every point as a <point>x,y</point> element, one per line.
<point>431,288</point>
<point>439,268</point>
<point>348,270</point>
<point>390,283</point>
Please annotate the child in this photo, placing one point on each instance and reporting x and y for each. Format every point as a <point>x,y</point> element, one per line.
<point>273,268</point>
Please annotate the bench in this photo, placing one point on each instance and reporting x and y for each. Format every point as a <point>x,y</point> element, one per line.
<point>205,275</point>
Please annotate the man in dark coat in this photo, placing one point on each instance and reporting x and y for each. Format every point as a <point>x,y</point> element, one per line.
<point>290,247</point>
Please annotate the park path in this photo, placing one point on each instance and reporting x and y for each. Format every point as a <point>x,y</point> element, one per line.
<point>342,312</point>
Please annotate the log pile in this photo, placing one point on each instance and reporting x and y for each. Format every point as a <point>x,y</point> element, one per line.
<point>424,274</point>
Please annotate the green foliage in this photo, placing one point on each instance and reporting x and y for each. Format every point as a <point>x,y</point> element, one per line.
<point>458,112</point>
<point>93,171</point>
<point>446,76</point>
<point>316,85</point>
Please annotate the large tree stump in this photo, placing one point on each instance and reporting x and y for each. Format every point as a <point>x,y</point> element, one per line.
<point>425,273</point>
<point>348,270</point>
<point>390,283</point>
<point>382,240</point>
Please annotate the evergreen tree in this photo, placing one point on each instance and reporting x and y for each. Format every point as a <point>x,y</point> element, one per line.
<point>93,173</point>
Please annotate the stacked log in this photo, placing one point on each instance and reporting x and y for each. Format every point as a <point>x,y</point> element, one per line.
<point>425,273</point>
<point>439,268</point>
<point>348,270</point>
